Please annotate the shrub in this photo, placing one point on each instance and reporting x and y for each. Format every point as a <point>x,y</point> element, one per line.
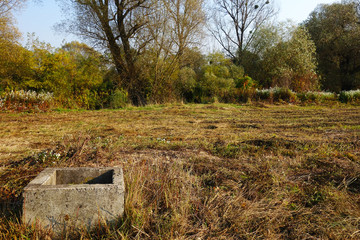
<point>316,96</point>
<point>211,87</point>
<point>20,101</point>
<point>263,94</point>
<point>245,82</point>
<point>327,96</point>
<point>283,94</point>
<point>246,88</point>
<point>352,96</point>
<point>276,94</point>
<point>119,99</point>
<point>224,90</point>
<point>217,80</point>
<point>185,84</point>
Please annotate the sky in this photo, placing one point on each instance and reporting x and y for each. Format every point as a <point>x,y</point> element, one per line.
<point>40,17</point>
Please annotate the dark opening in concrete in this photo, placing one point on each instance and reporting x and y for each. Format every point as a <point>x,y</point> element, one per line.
<point>81,176</point>
<point>64,198</point>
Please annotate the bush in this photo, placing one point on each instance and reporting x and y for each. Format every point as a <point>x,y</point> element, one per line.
<point>246,88</point>
<point>327,96</point>
<point>245,82</point>
<point>185,84</point>
<point>217,80</point>
<point>352,96</point>
<point>21,101</point>
<point>263,94</point>
<point>276,95</point>
<point>316,96</point>
<point>304,96</point>
<point>283,94</point>
<point>119,99</point>
<point>211,87</point>
<point>224,90</point>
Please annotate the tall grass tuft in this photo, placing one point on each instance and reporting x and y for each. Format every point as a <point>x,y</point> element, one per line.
<point>161,200</point>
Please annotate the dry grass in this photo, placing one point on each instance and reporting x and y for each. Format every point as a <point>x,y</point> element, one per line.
<point>199,171</point>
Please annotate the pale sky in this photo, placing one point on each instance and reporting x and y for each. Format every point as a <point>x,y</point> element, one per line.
<point>298,10</point>
<point>40,18</point>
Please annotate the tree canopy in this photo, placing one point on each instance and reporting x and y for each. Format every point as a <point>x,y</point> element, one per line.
<point>335,29</point>
<point>236,22</point>
<point>149,51</point>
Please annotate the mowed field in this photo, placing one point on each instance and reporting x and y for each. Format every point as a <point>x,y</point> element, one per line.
<point>198,171</point>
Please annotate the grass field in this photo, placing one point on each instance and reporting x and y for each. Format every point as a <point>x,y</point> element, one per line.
<point>198,171</point>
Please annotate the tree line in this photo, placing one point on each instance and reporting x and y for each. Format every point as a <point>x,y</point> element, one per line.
<point>149,51</point>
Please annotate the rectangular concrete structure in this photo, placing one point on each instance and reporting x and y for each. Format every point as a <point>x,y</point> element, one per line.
<point>59,198</point>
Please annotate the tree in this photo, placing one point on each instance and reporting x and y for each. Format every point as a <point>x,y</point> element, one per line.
<point>267,37</point>
<point>15,65</point>
<point>282,55</point>
<point>7,6</point>
<point>14,59</point>
<point>186,78</point>
<point>174,28</point>
<point>236,22</point>
<point>72,73</point>
<point>335,30</point>
<point>158,60</point>
<point>118,26</point>
<point>187,18</point>
<point>218,79</point>
<point>88,69</point>
<point>291,63</point>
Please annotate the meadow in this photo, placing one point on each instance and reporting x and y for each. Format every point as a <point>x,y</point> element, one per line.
<point>210,171</point>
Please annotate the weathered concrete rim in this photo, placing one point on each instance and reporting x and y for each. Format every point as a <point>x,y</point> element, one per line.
<point>44,176</point>
<point>62,198</point>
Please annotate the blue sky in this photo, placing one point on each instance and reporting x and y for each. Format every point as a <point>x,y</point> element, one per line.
<point>40,17</point>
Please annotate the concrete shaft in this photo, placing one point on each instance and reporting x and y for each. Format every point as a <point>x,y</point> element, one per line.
<point>63,198</point>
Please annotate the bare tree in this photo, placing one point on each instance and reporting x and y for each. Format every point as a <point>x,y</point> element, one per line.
<point>6,6</point>
<point>236,21</point>
<point>187,22</point>
<point>8,30</point>
<point>161,61</point>
<point>6,11</point>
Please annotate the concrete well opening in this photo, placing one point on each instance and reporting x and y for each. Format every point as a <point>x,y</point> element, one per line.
<point>80,176</point>
<point>59,198</point>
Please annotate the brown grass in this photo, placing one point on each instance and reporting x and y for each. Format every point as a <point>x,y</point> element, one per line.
<point>199,171</point>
